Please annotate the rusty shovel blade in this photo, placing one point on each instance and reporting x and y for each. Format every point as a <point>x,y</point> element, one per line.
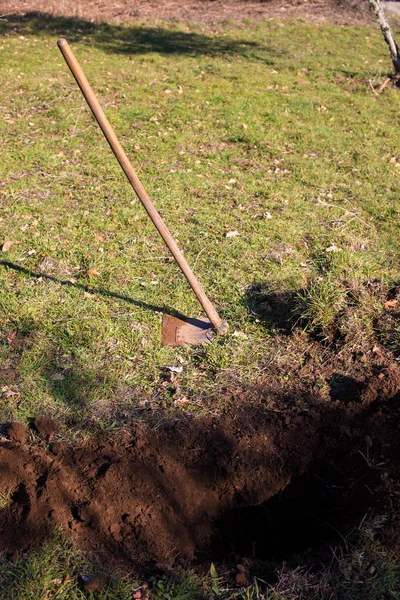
<point>181,332</point>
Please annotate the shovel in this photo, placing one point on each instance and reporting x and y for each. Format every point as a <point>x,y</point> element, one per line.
<point>175,331</point>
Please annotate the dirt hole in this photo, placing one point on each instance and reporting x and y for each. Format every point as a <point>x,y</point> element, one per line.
<point>314,511</point>
<point>258,485</point>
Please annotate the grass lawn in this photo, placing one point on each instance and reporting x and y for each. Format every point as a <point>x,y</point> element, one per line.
<point>271,161</point>
<point>268,130</point>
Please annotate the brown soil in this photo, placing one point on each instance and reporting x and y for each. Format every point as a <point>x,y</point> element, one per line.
<point>205,11</point>
<point>17,432</point>
<point>45,427</point>
<point>254,483</point>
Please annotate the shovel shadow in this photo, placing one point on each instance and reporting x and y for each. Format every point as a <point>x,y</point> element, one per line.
<point>94,290</point>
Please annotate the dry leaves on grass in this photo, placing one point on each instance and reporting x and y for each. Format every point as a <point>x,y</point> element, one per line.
<point>333,248</point>
<point>390,303</point>
<point>175,369</point>
<point>141,593</point>
<point>7,245</point>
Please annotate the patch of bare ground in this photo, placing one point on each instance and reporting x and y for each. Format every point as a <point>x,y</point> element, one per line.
<point>262,482</point>
<point>204,11</point>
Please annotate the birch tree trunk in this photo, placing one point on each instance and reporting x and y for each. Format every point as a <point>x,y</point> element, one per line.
<point>387,33</point>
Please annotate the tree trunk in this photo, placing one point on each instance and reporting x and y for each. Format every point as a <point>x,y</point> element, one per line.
<point>387,33</point>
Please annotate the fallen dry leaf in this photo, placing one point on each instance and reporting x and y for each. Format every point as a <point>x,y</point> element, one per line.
<point>390,303</point>
<point>181,401</point>
<point>332,248</point>
<point>11,337</point>
<point>57,377</point>
<point>232,234</point>
<point>8,392</point>
<point>175,369</point>
<point>93,272</point>
<point>240,334</point>
<point>7,245</point>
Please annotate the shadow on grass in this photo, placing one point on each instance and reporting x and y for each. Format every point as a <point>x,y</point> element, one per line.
<point>92,290</point>
<point>133,39</point>
<point>72,384</point>
<point>60,371</point>
<point>68,380</point>
<point>277,311</point>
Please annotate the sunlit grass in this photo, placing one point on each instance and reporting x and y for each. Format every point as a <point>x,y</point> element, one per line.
<point>269,130</point>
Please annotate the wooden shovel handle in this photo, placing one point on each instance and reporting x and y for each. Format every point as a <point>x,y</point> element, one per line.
<point>129,171</point>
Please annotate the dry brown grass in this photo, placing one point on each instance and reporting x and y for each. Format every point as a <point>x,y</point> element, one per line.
<point>205,11</point>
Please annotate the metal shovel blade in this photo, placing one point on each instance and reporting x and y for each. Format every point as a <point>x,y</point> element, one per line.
<point>180,332</point>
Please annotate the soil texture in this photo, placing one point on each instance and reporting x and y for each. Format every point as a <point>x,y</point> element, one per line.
<point>253,484</point>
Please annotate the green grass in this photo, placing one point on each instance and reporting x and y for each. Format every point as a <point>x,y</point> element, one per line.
<point>55,571</point>
<point>268,129</point>
<point>363,568</point>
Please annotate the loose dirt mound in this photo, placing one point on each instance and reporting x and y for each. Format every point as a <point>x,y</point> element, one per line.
<point>256,484</point>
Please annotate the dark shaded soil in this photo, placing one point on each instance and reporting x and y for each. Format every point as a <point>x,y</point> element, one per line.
<point>45,427</point>
<point>253,484</point>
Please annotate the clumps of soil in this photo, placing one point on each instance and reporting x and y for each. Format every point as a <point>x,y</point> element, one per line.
<point>251,485</point>
<point>57,448</point>
<point>95,584</point>
<point>17,432</point>
<point>45,427</point>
